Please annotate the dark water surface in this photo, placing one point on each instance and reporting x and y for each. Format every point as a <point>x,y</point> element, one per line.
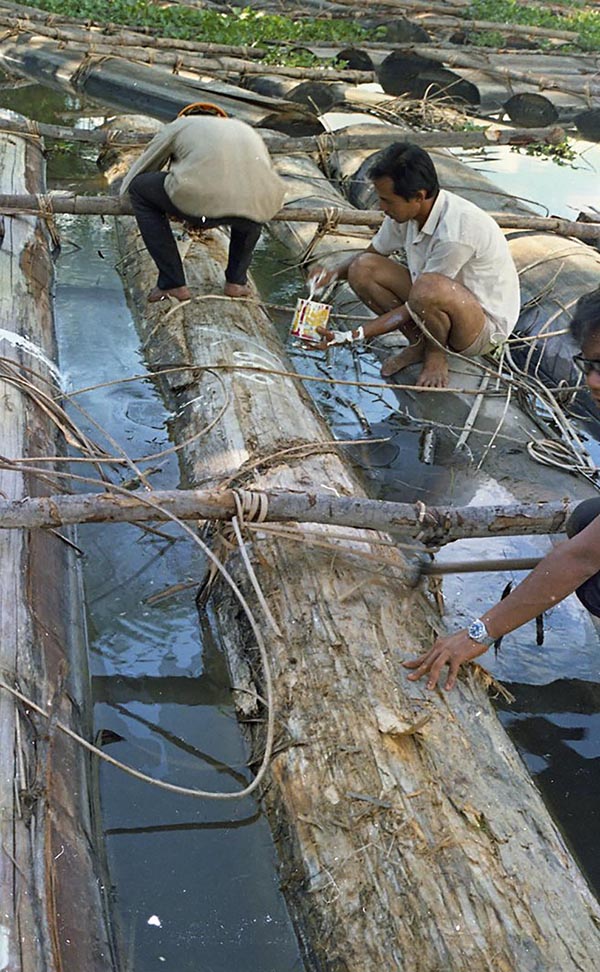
<point>194,882</point>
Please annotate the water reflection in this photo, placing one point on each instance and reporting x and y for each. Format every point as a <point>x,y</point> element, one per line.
<point>195,881</point>
<point>556,728</point>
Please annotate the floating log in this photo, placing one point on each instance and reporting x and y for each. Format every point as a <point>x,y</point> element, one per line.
<point>115,81</point>
<point>364,753</point>
<point>438,524</point>
<point>53,902</point>
<point>66,202</point>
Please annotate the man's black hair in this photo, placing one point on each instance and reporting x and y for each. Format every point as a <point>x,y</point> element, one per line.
<point>585,322</point>
<point>409,167</point>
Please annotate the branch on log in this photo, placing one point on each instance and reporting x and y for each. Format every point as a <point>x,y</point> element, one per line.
<point>62,202</point>
<point>444,523</point>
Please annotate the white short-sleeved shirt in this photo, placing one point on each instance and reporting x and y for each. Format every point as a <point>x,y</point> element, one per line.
<point>464,243</point>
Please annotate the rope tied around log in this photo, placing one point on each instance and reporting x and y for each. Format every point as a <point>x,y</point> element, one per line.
<point>327,224</point>
<point>250,508</point>
<point>80,76</point>
<point>44,202</point>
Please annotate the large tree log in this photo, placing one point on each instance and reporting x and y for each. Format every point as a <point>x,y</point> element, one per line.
<point>406,823</point>
<point>52,905</point>
<point>115,81</point>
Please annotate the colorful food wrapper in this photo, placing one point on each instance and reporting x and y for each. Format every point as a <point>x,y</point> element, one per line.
<point>308,316</point>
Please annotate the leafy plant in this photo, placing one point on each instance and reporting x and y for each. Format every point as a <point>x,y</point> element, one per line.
<point>562,152</point>
<point>239,26</point>
<point>584,22</point>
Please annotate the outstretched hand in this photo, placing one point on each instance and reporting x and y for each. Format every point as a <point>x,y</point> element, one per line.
<point>451,650</point>
<point>319,279</point>
<point>329,339</point>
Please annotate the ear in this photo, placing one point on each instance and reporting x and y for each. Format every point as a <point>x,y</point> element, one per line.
<point>420,195</point>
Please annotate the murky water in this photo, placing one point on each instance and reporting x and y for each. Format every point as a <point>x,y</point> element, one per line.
<point>194,882</point>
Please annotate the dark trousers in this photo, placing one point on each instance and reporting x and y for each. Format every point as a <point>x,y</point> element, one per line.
<point>582,516</point>
<point>152,208</point>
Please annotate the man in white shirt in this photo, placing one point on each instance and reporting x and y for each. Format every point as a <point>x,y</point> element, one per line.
<point>459,289</point>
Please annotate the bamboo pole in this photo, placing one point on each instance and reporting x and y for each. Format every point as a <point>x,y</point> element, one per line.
<point>448,523</point>
<point>327,141</point>
<point>62,202</point>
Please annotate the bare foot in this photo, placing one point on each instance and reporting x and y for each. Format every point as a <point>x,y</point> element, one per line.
<point>435,371</point>
<point>406,357</point>
<point>180,293</point>
<point>236,290</point>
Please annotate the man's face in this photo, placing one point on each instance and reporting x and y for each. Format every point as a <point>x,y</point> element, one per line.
<point>591,350</point>
<point>397,207</point>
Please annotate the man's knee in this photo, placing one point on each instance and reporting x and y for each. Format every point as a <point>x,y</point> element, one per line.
<point>429,289</point>
<point>582,516</point>
<point>362,270</point>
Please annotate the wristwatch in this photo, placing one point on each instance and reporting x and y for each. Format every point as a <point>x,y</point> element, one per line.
<point>478,632</point>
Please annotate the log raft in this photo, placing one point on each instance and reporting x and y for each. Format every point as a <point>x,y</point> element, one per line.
<point>409,833</point>
<point>53,911</point>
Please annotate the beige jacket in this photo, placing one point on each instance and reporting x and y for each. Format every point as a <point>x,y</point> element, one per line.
<point>218,167</point>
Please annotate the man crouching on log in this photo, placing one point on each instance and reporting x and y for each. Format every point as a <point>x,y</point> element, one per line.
<point>219,174</point>
<point>459,289</point>
<point>574,566</point>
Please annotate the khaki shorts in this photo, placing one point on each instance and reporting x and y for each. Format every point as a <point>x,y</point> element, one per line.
<point>488,338</point>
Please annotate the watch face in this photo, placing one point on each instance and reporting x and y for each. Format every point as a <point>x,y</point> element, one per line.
<point>477,631</point>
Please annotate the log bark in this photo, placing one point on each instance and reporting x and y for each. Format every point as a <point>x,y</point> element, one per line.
<point>432,524</point>
<point>406,830</point>
<point>53,912</point>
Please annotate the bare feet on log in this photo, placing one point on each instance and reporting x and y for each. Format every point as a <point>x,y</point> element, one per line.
<point>396,362</point>
<point>435,370</point>
<point>236,290</point>
<point>435,367</point>
<point>180,293</point>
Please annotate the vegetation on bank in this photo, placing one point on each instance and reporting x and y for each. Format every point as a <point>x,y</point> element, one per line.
<point>585,22</point>
<point>239,27</point>
<point>251,26</point>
